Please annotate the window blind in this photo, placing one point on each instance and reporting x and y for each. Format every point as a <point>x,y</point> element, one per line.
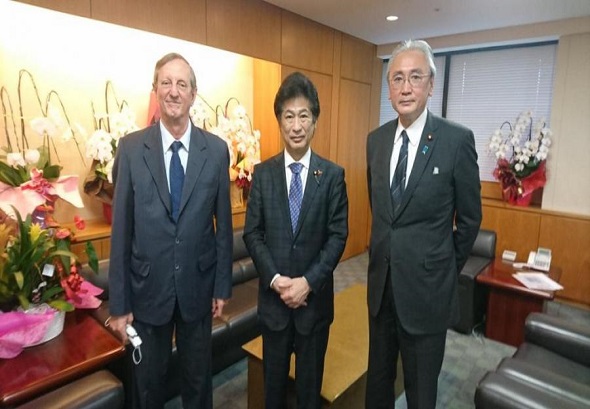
<point>487,87</point>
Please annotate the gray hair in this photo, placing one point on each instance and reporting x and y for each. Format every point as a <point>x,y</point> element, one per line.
<point>170,57</point>
<point>419,45</point>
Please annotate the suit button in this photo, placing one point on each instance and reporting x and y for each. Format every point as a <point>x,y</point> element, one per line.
<point>177,267</point>
<point>294,246</point>
<point>177,241</point>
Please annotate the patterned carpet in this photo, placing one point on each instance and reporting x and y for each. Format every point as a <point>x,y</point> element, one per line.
<point>467,357</point>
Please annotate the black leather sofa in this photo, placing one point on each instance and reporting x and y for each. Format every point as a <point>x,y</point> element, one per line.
<point>238,325</point>
<point>472,296</point>
<point>551,369</point>
<point>99,390</point>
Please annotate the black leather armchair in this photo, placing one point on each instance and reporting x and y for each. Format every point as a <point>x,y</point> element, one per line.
<point>551,369</point>
<point>472,296</point>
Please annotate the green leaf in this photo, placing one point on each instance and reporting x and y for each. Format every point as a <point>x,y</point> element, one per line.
<point>92,257</point>
<point>61,305</point>
<point>20,279</point>
<point>51,292</point>
<point>23,301</point>
<point>51,172</point>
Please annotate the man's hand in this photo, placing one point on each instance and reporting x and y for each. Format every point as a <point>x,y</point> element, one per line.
<point>217,307</point>
<point>119,324</point>
<point>295,293</point>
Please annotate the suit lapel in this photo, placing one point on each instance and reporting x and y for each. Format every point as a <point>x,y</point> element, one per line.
<point>196,161</point>
<point>311,186</point>
<point>280,185</point>
<point>423,154</point>
<point>154,159</point>
<point>384,162</point>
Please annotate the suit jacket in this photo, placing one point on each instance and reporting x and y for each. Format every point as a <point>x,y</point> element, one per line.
<point>312,251</point>
<point>154,261</point>
<point>419,245</point>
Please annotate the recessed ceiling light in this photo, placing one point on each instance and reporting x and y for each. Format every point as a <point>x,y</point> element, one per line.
<point>391,18</point>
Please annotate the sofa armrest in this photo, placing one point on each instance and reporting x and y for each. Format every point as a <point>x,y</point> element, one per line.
<point>496,391</point>
<point>485,244</point>
<point>556,334</point>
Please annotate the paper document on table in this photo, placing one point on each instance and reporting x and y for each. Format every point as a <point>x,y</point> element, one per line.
<point>537,281</point>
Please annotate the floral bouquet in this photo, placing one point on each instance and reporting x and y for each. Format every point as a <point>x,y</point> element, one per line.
<point>28,178</point>
<point>235,128</point>
<point>41,276</point>
<point>521,157</point>
<point>101,146</point>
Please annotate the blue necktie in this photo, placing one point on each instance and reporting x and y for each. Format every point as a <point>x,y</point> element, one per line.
<point>295,193</point>
<point>176,179</point>
<point>398,184</point>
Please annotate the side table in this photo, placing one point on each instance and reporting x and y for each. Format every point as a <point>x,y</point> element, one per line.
<point>84,346</point>
<point>510,302</point>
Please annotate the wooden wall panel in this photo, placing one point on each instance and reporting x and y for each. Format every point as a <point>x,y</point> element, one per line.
<point>77,7</point>
<point>516,229</point>
<point>323,83</point>
<point>249,27</point>
<point>357,59</point>
<point>184,19</point>
<point>306,44</point>
<point>569,241</point>
<point>353,126</point>
<point>267,79</point>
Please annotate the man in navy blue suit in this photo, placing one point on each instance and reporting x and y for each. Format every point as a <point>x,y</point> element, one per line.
<point>171,254</point>
<point>296,229</point>
<point>426,216</point>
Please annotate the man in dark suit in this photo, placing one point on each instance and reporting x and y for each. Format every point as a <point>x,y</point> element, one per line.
<point>296,229</point>
<point>426,215</point>
<point>171,241</point>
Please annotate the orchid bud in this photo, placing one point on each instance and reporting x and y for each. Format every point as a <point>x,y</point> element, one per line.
<point>32,156</point>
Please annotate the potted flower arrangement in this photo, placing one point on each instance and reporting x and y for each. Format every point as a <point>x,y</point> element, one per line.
<point>101,146</point>
<point>39,281</point>
<point>28,178</point>
<point>521,155</point>
<point>243,142</point>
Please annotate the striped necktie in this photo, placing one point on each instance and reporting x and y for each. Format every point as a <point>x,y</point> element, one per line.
<point>398,184</point>
<point>295,193</point>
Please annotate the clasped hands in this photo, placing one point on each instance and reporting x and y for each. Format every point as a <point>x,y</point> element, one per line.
<point>293,291</point>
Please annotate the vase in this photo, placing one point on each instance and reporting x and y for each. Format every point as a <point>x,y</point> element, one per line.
<point>54,327</point>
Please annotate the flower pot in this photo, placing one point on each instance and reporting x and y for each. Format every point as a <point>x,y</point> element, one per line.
<point>55,326</point>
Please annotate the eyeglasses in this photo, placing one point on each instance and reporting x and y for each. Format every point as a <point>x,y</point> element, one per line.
<point>415,80</point>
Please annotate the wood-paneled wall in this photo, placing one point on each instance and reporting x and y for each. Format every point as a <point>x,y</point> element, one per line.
<point>342,68</point>
<point>347,74</point>
<point>524,229</point>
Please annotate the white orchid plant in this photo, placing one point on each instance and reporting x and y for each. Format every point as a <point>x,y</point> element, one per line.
<point>235,128</point>
<point>525,146</point>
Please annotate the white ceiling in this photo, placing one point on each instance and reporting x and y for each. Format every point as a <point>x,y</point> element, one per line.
<point>418,19</point>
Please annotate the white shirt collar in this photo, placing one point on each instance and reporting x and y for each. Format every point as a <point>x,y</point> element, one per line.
<point>304,160</point>
<point>168,139</point>
<point>414,131</point>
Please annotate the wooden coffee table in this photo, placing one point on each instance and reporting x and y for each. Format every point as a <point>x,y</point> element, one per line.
<point>510,302</point>
<point>84,346</point>
<point>346,362</point>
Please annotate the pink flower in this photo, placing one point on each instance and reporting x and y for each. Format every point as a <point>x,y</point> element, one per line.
<point>62,233</point>
<point>79,222</point>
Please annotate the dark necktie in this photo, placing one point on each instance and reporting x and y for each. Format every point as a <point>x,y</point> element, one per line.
<point>176,179</point>
<point>295,193</point>
<point>398,184</point>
